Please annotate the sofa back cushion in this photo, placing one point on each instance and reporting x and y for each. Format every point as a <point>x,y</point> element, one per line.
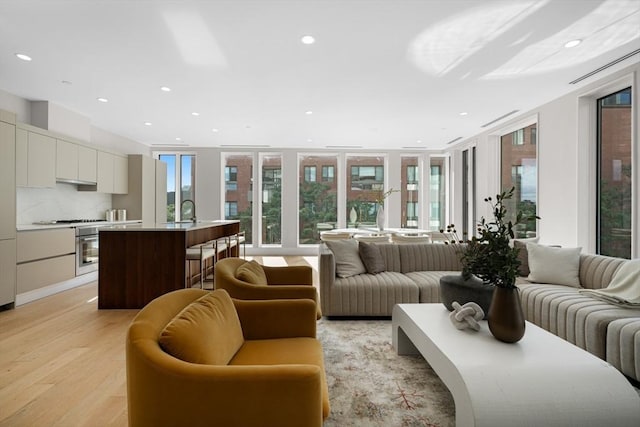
<point>347,257</point>
<point>207,331</point>
<point>597,271</point>
<point>391,255</point>
<point>429,257</point>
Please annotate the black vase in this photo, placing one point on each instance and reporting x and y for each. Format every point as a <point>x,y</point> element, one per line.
<point>506,321</point>
<point>456,288</point>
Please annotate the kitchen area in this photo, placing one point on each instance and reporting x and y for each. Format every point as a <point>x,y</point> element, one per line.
<point>58,192</point>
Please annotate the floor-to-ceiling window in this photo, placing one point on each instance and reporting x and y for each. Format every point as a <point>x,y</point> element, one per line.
<point>271,198</point>
<point>317,184</point>
<point>181,172</point>
<point>437,192</point>
<point>519,159</point>
<point>410,193</point>
<point>614,177</point>
<point>365,184</point>
<point>238,191</point>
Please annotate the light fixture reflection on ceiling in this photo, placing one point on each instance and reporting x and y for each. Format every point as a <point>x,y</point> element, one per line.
<point>308,39</point>
<point>572,43</point>
<point>23,56</point>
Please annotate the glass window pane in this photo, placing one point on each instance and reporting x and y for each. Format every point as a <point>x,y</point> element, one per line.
<point>410,192</point>
<point>614,175</point>
<point>318,207</point>
<point>437,194</point>
<point>271,199</point>
<point>364,185</point>
<point>238,194</point>
<point>170,160</point>
<point>519,170</point>
<point>187,186</point>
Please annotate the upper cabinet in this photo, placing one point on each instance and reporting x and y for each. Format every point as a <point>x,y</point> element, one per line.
<point>35,159</point>
<point>75,163</point>
<point>145,176</point>
<point>112,174</point>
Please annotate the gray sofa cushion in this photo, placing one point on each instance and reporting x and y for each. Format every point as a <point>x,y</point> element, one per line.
<point>429,284</point>
<point>623,346</point>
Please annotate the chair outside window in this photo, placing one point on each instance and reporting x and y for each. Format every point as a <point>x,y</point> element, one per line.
<point>402,239</point>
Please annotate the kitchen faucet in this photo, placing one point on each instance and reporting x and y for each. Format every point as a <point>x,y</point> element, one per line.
<point>193,209</point>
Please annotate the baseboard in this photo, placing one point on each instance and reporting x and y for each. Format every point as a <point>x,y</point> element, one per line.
<point>46,291</point>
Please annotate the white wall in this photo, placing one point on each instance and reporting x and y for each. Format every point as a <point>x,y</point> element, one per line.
<point>561,157</point>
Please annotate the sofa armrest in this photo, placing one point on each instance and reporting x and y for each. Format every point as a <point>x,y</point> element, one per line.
<point>291,275</point>
<point>280,318</point>
<point>327,276</point>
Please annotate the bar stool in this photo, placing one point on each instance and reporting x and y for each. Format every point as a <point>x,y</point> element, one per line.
<point>237,240</point>
<point>201,253</point>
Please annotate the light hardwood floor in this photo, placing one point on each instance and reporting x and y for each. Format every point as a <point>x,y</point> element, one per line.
<point>62,361</point>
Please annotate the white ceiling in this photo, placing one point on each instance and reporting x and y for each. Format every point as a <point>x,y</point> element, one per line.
<point>382,74</point>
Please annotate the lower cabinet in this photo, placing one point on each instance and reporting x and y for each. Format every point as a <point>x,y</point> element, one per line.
<point>37,274</point>
<point>7,271</point>
<point>44,257</point>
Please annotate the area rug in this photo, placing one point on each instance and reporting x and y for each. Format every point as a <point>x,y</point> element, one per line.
<point>370,385</point>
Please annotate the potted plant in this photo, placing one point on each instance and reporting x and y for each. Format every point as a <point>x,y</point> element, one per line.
<point>491,258</point>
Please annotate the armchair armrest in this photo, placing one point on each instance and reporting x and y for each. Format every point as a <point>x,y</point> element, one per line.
<point>266,319</point>
<point>291,275</point>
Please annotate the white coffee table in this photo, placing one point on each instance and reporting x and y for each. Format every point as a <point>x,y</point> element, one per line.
<point>542,380</point>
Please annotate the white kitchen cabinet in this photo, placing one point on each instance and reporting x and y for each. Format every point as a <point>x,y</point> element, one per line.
<point>140,200</point>
<point>35,159</point>
<point>87,164</point>
<point>7,271</point>
<point>75,163</point>
<point>120,174</point>
<point>111,176</point>
<point>7,180</point>
<point>66,161</point>
<point>44,257</point>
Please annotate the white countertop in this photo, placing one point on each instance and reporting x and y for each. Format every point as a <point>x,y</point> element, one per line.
<point>30,227</point>
<point>167,226</point>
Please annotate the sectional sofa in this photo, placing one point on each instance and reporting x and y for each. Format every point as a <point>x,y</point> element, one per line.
<point>412,275</point>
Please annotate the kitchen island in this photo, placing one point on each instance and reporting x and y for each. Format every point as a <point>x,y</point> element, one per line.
<point>139,262</point>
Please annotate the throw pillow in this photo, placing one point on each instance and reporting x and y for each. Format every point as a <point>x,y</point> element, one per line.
<point>523,256</point>
<point>371,257</point>
<point>252,272</point>
<point>559,266</point>
<point>345,252</point>
<point>207,331</point>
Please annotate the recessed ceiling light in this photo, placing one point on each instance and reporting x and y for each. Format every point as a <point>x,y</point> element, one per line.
<point>178,139</point>
<point>463,113</point>
<point>308,112</point>
<point>214,130</point>
<point>195,113</point>
<point>573,43</point>
<point>23,56</point>
<point>147,123</point>
<point>309,140</point>
<point>419,141</point>
<point>102,99</point>
<point>165,89</point>
<point>308,39</point>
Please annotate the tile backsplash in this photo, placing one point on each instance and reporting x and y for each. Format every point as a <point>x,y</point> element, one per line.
<point>62,202</point>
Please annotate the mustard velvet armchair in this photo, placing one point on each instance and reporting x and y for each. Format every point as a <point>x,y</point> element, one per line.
<point>276,378</point>
<point>288,282</point>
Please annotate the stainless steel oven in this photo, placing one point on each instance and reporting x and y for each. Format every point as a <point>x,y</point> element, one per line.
<point>86,249</point>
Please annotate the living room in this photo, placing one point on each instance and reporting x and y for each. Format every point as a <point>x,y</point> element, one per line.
<point>449,111</point>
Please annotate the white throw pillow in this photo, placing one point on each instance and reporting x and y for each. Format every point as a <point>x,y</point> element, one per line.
<point>558,266</point>
<point>345,252</point>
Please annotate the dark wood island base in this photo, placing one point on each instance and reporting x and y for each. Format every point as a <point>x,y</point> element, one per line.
<point>139,262</point>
